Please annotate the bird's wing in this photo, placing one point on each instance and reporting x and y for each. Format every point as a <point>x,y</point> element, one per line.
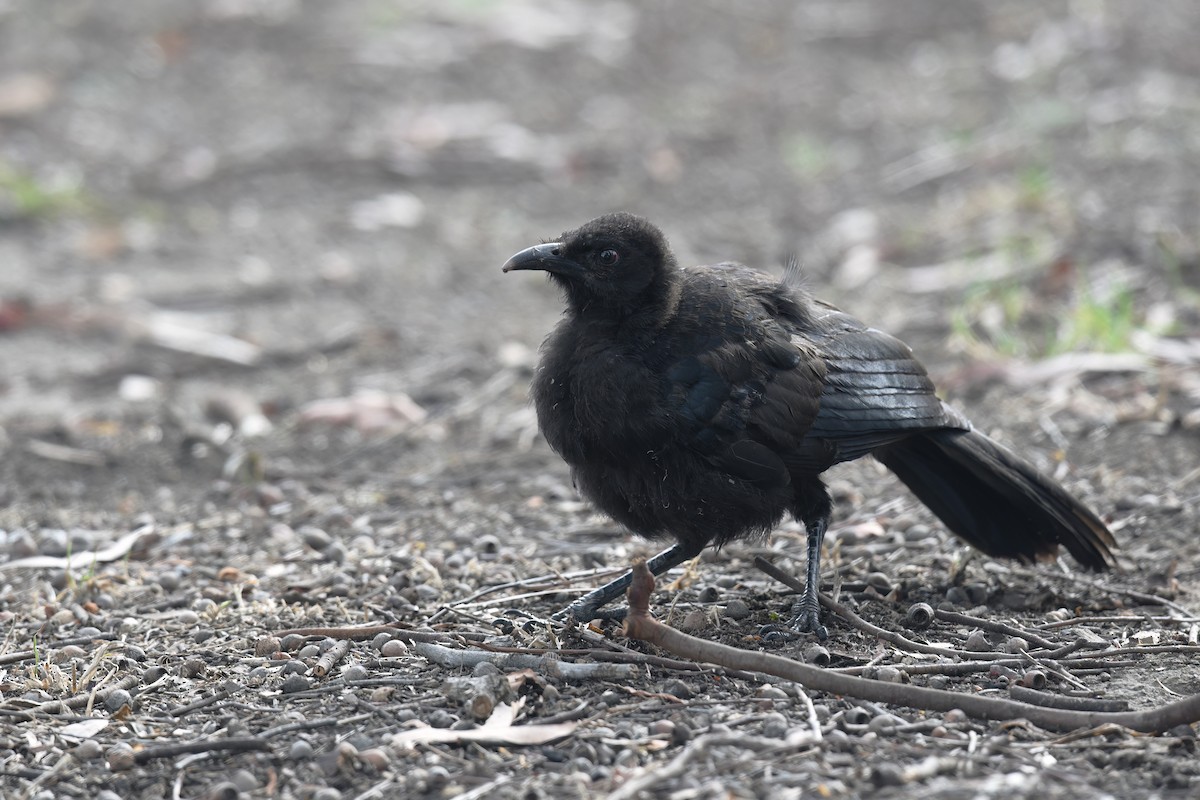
<point>875,391</point>
<point>742,390</point>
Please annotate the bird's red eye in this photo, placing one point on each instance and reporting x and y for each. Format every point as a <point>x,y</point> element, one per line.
<point>609,257</point>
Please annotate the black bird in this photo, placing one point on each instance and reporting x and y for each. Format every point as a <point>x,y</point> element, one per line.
<point>703,403</point>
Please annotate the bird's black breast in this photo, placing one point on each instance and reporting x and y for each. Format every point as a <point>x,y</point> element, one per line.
<point>684,428</point>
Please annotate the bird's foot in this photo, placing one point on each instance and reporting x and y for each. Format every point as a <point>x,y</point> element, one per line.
<point>586,612</point>
<point>808,620</point>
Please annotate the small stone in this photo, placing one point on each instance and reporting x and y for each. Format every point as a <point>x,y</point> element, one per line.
<point>300,750</point>
<point>153,674</point>
<point>917,531</point>
<point>889,675</point>
<point>394,649</point>
<point>677,688</point>
<point>662,727</point>
<point>1015,644</point>
<point>314,537</point>
<point>267,646</point>
<point>710,594</point>
<point>880,582</point>
<point>775,725</point>
<point>295,683</point>
<point>376,757</point>
<point>293,667</point>
<point>885,724</point>
<point>67,652</point>
<point>192,668</point>
<point>244,780</point>
<point>737,609</point>
<point>977,642</point>
<point>291,643</point>
<point>887,774</point>
<point>696,620</point>
<point>88,750</point>
<point>355,672</point>
<point>958,596</point>
<point>117,699</point>
<point>119,757</point>
<point>440,718</point>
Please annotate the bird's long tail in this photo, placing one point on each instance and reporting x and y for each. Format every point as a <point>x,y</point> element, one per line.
<point>996,500</point>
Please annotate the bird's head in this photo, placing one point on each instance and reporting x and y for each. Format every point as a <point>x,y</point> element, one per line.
<point>615,264</point>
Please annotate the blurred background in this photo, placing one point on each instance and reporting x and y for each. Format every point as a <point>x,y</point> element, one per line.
<point>251,310</point>
<point>216,213</point>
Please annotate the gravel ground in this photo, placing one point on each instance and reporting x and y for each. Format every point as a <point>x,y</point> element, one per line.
<point>275,520</point>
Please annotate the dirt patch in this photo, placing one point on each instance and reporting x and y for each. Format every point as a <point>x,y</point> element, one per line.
<point>214,215</point>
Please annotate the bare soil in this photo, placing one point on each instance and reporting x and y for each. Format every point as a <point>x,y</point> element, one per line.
<point>215,214</point>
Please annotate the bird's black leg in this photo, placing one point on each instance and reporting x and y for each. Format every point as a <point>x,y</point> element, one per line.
<point>585,607</point>
<point>807,610</point>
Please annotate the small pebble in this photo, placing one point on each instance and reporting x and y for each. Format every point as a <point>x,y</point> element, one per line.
<point>484,668</point>
<point>885,723</point>
<point>67,652</point>
<point>394,649</point>
<point>293,667</point>
<point>887,774</point>
<point>334,554</point>
<point>314,537</point>
<point>1015,645</point>
<point>440,718</point>
<point>169,581</point>
<point>917,531</point>
<point>737,609</point>
<point>295,683</point>
<point>117,699</point>
<point>309,651</point>
<point>355,672</point>
<point>300,750</point>
<point>977,642</point>
<point>879,582</point>
<point>152,674</point>
<point>267,646</point>
<point>291,642</point>
<point>889,675</point>
<point>775,725</point>
<point>677,688</point>
<point>958,596</point>
<point>244,780</point>
<point>380,640</point>
<point>662,727</point>
<point>696,620</point>
<point>710,594</point>
<point>977,593</point>
<point>376,757</point>
<point>88,749</point>
<point>192,668</point>
<point>119,757</point>
<point>225,790</point>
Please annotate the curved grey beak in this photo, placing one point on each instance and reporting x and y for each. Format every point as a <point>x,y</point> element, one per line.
<point>544,257</point>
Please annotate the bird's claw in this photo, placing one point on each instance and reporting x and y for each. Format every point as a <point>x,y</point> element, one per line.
<point>808,620</point>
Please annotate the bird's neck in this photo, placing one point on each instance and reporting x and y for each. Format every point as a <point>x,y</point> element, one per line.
<point>640,319</point>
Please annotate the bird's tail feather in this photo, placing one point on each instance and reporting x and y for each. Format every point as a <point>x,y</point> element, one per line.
<point>996,500</point>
